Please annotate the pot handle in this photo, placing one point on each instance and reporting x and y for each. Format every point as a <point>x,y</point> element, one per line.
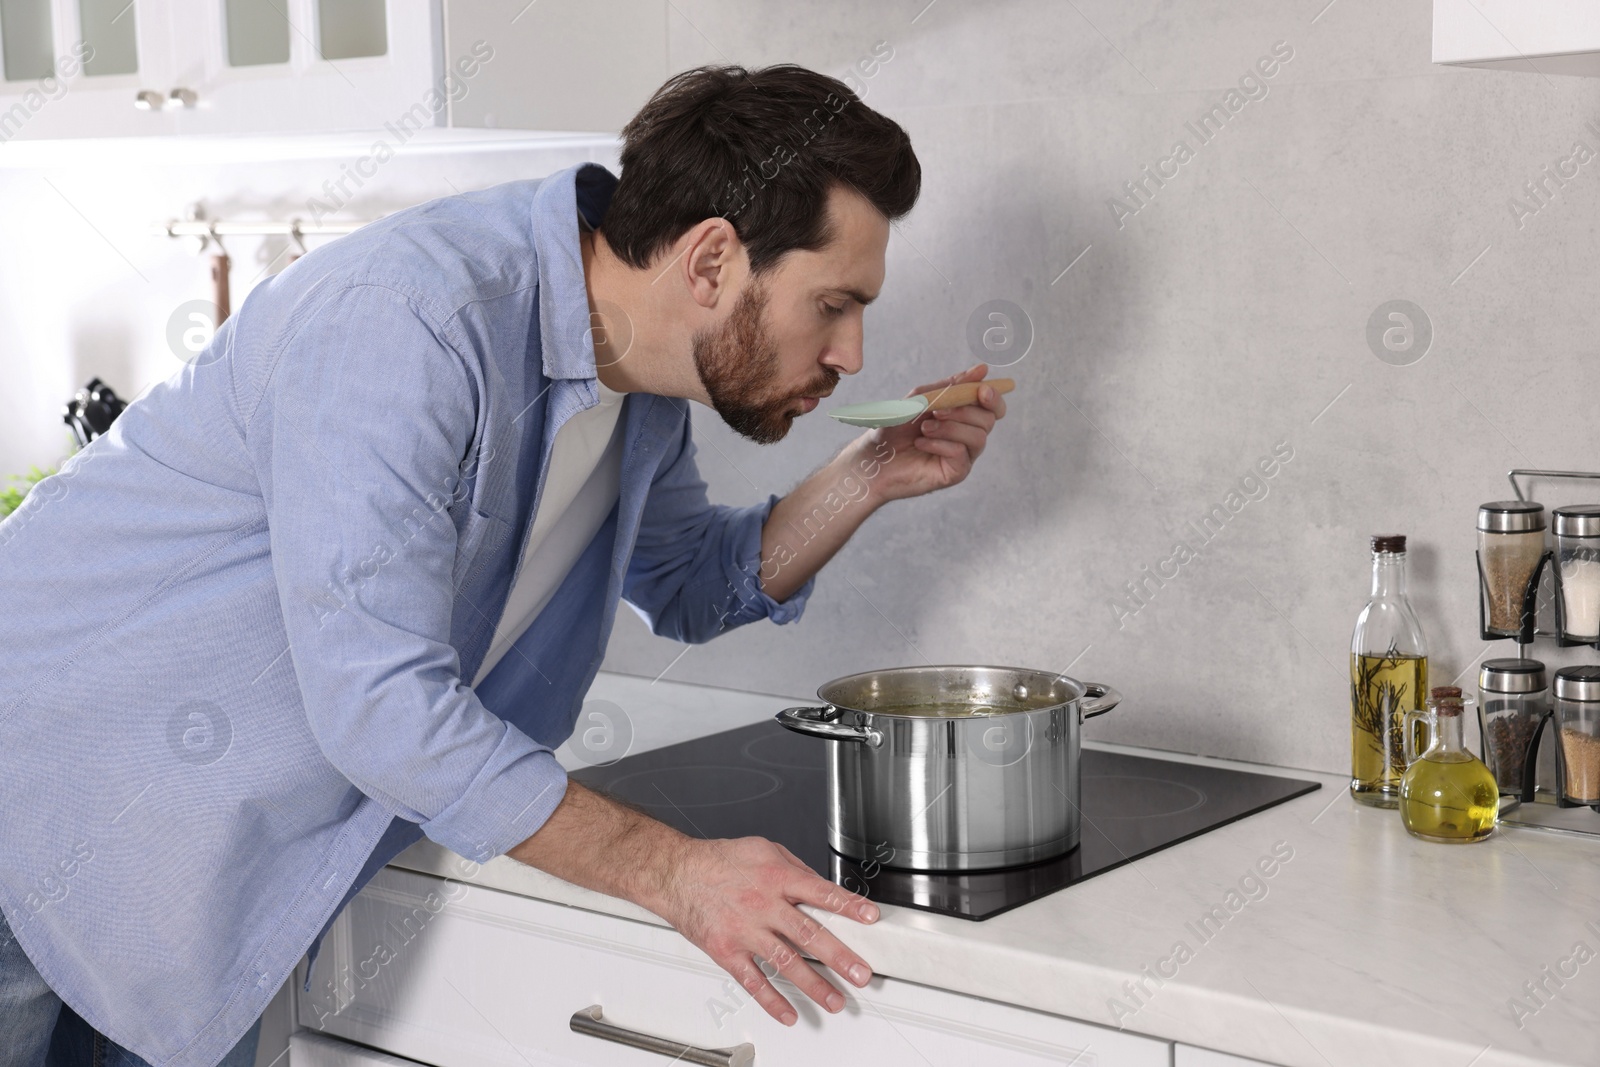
<point>819,722</point>
<point>1102,698</point>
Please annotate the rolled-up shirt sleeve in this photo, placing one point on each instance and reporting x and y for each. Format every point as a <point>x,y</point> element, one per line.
<point>696,566</point>
<point>358,438</point>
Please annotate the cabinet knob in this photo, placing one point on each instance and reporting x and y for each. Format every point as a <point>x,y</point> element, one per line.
<point>149,100</point>
<point>181,97</point>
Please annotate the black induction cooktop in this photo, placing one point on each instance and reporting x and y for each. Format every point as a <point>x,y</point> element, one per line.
<point>762,780</point>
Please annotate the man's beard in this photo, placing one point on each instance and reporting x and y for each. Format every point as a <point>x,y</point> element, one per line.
<point>739,367</point>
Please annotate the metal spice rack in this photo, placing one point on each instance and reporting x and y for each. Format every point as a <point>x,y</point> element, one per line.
<point>1568,815</point>
<point>1530,600</point>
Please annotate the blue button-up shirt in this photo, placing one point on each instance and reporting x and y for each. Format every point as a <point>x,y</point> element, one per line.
<point>234,630</point>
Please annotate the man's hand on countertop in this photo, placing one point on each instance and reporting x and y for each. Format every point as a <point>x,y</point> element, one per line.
<point>736,900</point>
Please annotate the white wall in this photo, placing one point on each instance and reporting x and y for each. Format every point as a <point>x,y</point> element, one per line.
<point>87,290</point>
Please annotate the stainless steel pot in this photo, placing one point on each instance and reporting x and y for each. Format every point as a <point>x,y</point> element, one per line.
<point>953,768</point>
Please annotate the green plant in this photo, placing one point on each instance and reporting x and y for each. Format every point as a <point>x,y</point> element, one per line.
<point>12,496</point>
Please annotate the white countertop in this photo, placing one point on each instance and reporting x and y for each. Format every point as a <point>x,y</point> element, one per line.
<point>1366,946</point>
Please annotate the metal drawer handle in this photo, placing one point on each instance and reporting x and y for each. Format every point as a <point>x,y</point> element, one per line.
<point>589,1021</point>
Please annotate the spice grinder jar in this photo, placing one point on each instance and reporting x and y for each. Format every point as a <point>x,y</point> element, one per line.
<point>1510,547</point>
<point>1577,530</point>
<point>1511,700</point>
<point>1577,718</point>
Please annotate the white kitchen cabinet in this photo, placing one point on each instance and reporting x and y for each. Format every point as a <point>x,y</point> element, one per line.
<point>455,975</point>
<point>334,65</point>
<point>1189,1056</point>
<point>1544,36</point>
<point>75,68</point>
<point>390,67</point>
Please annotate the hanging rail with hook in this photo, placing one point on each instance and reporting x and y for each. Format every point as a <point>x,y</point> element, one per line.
<point>211,229</point>
<point>208,232</point>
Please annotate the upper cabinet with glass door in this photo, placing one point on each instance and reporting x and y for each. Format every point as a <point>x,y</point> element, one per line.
<point>88,68</point>
<point>292,66</point>
<point>84,68</point>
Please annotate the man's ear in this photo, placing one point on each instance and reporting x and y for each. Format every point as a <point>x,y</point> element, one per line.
<point>713,261</point>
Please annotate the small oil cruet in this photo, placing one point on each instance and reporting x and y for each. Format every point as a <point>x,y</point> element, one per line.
<point>1447,794</point>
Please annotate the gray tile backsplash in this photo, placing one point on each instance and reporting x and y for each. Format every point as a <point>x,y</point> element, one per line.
<point>1225,317</point>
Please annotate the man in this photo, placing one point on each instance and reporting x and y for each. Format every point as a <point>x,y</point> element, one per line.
<point>344,581</point>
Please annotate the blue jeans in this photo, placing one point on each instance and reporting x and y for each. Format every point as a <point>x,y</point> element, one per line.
<point>37,1030</point>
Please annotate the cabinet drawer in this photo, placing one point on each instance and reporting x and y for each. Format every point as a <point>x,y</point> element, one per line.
<point>456,975</point>
<point>313,1050</point>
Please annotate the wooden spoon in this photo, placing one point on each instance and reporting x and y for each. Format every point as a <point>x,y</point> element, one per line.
<point>898,412</point>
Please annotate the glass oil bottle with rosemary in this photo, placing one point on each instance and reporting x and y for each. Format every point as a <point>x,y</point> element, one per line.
<point>1388,677</point>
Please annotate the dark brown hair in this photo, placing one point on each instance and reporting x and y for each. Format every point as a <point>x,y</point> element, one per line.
<point>759,148</point>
